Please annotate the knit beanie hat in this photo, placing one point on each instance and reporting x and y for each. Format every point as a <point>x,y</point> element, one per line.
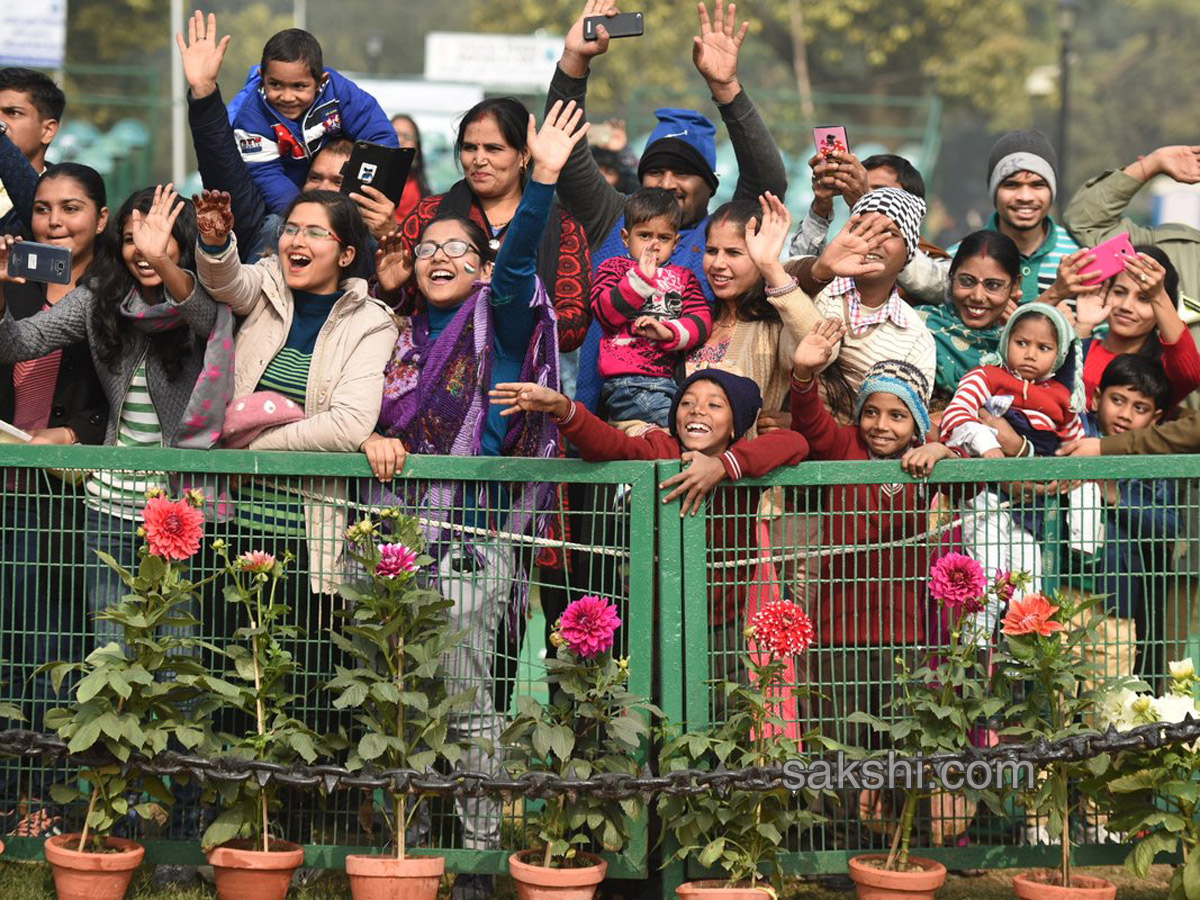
<point>906,381</point>
<point>1023,151</point>
<point>1068,364</point>
<point>905,209</point>
<point>683,141</point>
<point>745,399</point>
<point>248,417</point>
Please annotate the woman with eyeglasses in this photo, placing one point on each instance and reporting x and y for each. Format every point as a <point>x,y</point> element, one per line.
<point>482,318</point>
<point>311,333</point>
<point>985,287</point>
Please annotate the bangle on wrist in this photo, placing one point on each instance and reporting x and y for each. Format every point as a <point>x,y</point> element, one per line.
<point>796,378</point>
<point>781,290</point>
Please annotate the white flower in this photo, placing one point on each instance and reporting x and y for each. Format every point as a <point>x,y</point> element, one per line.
<point>1182,669</point>
<point>1172,708</point>
<point>1117,710</point>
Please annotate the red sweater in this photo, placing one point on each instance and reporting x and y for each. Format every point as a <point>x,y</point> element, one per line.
<point>1180,360</point>
<point>733,515</point>
<point>574,270</point>
<point>877,594</point>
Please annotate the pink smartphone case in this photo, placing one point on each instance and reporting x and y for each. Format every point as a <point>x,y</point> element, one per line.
<point>1110,258</point>
<point>831,139</point>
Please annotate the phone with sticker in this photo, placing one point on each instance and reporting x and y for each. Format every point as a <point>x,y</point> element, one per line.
<point>383,168</point>
<point>830,139</point>
<point>1110,258</point>
<point>40,262</point>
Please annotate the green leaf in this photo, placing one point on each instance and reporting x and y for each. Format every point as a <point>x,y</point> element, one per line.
<point>354,695</point>
<point>1191,877</point>
<point>1143,854</point>
<point>64,793</point>
<point>563,741</point>
<point>372,746</point>
<point>303,744</point>
<point>227,826</point>
<point>85,736</point>
<point>710,854</point>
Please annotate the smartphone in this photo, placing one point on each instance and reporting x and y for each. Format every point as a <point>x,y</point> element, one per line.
<point>1110,258</point>
<point>620,25</point>
<point>383,168</point>
<point>830,139</point>
<point>40,262</point>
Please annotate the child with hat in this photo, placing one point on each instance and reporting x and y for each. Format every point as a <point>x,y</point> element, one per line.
<point>710,414</point>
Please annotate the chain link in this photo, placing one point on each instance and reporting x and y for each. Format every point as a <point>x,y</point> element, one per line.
<point>543,785</point>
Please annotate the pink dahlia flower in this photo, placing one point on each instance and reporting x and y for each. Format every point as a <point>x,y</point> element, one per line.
<point>588,624</point>
<point>1031,614</point>
<point>958,582</point>
<point>173,528</point>
<point>257,561</point>
<point>395,559</point>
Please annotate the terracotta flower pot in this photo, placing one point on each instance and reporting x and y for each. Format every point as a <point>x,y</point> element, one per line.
<point>92,876</point>
<point>536,882</point>
<point>1042,884</point>
<point>717,890</point>
<point>874,883</point>
<point>388,878</point>
<point>245,874</point>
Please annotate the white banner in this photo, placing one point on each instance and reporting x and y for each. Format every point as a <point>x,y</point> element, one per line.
<point>33,33</point>
<point>522,62</point>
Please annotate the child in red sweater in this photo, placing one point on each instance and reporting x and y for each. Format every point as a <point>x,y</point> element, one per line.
<point>710,412</point>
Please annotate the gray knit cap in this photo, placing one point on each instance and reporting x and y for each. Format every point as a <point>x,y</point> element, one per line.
<point>1023,151</point>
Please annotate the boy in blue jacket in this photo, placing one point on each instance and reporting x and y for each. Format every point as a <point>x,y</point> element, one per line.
<point>290,107</point>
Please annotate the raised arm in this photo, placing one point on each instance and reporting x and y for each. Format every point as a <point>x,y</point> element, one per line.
<point>583,190</point>
<point>61,325</point>
<point>1097,211</point>
<point>217,265</point>
<point>715,53</point>
<point>221,165</point>
<point>18,178</point>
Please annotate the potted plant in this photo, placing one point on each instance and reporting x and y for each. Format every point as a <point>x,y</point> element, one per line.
<point>246,861</point>
<point>937,704</point>
<point>1044,643</point>
<point>590,725</point>
<point>397,633</point>
<point>132,699</point>
<point>741,831</point>
<point>1153,794</point>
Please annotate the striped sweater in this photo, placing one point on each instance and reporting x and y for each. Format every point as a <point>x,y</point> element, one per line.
<point>1046,404</point>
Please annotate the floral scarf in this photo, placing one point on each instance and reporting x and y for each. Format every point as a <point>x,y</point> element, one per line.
<point>960,348</point>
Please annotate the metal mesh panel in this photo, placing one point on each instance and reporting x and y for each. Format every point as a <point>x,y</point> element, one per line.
<point>505,582</point>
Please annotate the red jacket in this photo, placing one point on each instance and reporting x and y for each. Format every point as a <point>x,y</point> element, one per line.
<point>878,594</point>
<point>733,515</point>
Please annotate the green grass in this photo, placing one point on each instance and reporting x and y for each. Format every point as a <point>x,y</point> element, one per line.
<point>32,881</point>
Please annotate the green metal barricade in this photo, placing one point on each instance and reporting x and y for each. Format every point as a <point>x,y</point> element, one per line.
<point>862,573</point>
<point>50,528</point>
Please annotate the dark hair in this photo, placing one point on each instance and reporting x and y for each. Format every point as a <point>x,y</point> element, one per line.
<point>906,173</point>
<point>417,172</point>
<point>512,118</point>
<point>752,306</point>
<point>992,244</point>
<point>1044,317</point>
<point>1146,376</point>
<point>106,244</point>
<point>475,234</point>
<point>46,96</point>
<point>652,203</point>
<point>339,147</point>
<point>113,280</point>
<point>294,45</point>
<point>345,220</point>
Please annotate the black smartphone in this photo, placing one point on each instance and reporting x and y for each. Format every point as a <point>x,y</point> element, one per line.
<point>620,25</point>
<point>40,262</point>
<point>383,168</point>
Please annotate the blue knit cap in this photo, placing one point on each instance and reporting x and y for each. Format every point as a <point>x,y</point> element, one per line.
<point>906,381</point>
<point>683,141</point>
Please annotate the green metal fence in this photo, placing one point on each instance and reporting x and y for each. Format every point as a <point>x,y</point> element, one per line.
<point>852,541</point>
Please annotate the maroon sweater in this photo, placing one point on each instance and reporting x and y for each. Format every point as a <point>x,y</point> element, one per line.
<point>733,515</point>
<point>876,595</point>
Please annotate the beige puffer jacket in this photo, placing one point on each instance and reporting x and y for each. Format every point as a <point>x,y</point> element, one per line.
<point>345,381</point>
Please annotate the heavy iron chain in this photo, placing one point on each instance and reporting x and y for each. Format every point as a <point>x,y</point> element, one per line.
<point>609,786</point>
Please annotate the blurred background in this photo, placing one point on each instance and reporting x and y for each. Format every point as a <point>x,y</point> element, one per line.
<point>932,80</point>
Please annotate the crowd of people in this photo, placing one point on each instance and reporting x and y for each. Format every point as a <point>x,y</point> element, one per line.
<point>545,306</point>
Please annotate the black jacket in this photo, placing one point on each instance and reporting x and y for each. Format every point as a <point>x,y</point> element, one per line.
<point>79,402</point>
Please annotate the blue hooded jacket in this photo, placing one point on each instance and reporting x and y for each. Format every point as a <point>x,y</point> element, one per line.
<point>279,151</point>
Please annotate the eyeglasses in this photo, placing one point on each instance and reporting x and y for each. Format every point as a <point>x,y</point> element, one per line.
<point>312,232</point>
<point>453,249</point>
<point>993,286</point>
